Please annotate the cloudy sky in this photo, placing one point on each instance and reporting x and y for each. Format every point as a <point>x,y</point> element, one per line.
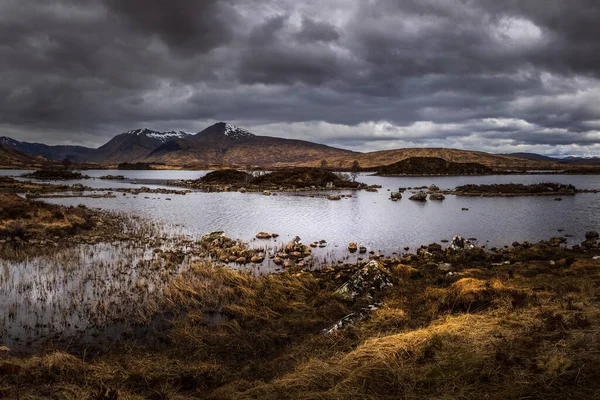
<point>492,75</point>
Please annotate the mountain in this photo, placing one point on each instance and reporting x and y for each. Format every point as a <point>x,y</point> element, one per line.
<point>223,143</point>
<point>134,145</point>
<point>12,158</point>
<point>74,153</point>
<point>581,160</point>
<point>532,156</point>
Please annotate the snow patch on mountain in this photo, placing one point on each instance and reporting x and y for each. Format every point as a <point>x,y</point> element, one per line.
<point>8,141</point>
<point>162,136</point>
<point>236,133</point>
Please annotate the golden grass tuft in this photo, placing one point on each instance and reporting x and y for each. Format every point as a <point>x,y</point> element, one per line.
<point>470,294</point>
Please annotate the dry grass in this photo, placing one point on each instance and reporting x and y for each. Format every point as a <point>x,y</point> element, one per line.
<point>490,333</point>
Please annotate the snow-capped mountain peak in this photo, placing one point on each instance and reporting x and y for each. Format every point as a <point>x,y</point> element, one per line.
<point>5,140</point>
<point>236,133</point>
<point>162,136</point>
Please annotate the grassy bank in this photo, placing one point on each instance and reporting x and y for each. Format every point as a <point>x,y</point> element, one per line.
<point>455,324</point>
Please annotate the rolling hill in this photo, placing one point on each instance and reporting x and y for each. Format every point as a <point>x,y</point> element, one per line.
<point>11,158</point>
<point>376,159</point>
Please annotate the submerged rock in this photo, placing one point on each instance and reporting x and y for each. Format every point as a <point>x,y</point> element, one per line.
<point>371,277</point>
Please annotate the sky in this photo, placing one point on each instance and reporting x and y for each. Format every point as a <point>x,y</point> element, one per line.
<point>492,75</point>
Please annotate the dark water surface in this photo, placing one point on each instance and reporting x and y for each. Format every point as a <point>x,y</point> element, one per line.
<point>368,218</point>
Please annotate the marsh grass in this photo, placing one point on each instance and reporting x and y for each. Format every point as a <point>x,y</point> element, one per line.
<point>237,335</point>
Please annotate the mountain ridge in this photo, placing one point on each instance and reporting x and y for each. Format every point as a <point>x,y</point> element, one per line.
<point>225,144</point>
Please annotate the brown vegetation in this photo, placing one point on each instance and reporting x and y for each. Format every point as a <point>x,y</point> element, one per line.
<point>283,179</point>
<point>527,329</point>
<point>432,166</point>
<point>516,189</point>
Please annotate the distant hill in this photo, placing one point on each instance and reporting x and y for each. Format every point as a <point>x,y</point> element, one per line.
<point>533,156</point>
<point>74,153</point>
<point>432,166</point>
<point>11,158</point>
<point>226,144</point>
<point>376,159</point>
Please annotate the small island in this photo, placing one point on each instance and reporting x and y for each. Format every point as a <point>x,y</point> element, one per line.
<point>289,179</point>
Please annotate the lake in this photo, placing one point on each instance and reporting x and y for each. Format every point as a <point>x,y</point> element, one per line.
<point>370,219</point>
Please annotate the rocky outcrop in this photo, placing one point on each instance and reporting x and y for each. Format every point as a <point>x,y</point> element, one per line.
<point>369,279</point>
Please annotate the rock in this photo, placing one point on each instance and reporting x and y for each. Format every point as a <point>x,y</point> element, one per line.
<point>434,188</point>
<point>395,196</point>
<point>241,260</point>
<point>296,254</point>
<point>362,249</point>
<point>406,248</point>
<point>352,247</point>
<point>257,259</point>
<point>557,241</point>
<point>371,277</point>
<point>232,258</point>
<point>275,235</point>
<point>420,196</point>
<point>592,235</point>
<point>263,235</point>
<point>314,245</point>
<point>334,197</point>
<point>465,209</point>
<point>294,243</point>
<point>434,248</point>
<point>436,196</point>
<point>267,193</point>
<point>459,243</point>
<point>444,267</point>
<point>558,199</point>
<point>277,261</point>
<point>352,318</point>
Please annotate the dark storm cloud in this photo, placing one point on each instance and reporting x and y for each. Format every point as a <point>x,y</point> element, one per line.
<point>193,25</point>
<point>328,71</point>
